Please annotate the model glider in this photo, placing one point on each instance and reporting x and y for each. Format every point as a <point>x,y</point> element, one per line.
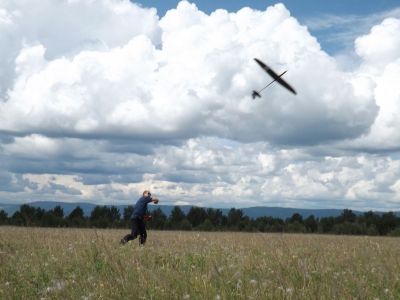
<point>275,76</point>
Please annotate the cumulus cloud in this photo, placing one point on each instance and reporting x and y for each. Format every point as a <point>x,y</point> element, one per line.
<point>114,100</point>
<point>380,53</point>
<point>381,46</point>
<point>250,174</point>
<point>65,28</point>
<point>197,83</point>
<point>209,172</point>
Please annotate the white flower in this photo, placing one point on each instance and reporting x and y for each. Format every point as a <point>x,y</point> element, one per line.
<point>57,286</point>
<point>239,284</point>
<point>253,281</point>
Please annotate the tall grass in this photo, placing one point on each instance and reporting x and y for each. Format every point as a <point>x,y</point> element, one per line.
<point>90,264</point>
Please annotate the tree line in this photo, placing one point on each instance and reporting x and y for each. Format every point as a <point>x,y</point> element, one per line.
<point>207,219</point>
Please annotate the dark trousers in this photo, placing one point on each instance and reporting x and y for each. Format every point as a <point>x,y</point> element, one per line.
<point>138,228</point>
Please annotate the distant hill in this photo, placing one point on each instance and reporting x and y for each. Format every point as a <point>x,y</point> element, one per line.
<point>252,212</point>
<point>287,212</point>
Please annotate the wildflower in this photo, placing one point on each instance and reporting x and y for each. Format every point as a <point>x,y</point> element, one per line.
<point>57,286</point>
<point>238,284</point>
<point>87,297</point>
<point>253,281</point>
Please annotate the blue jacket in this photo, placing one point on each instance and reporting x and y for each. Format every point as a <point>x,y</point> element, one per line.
<point>140,208</point>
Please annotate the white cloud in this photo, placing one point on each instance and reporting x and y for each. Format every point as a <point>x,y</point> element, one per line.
<point>380,51</point>
<point>34,146</point>
<point>65,28</point>
<point>206,172</point>
<point>381,46</point>
<point>198,83</point>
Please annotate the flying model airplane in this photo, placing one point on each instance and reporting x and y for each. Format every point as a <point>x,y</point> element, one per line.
<point>276,77</point>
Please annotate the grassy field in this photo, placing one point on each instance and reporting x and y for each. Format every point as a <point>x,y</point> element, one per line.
<point>90,264</point>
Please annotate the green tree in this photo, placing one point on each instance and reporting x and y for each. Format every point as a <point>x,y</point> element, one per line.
<point>176,217</point>
<point>159,219</point>
<point>395,232</point>
<point>387,223</point>
<point>128,212</point>
<point>185,225</point>
<point>296,217</point>
<point>25,216</point>
<point>77,217</point>
<point>234,217</point>
<point>52,218</point>
<point>77,213</point>
<point>311,224</point>
<point>347,216</point>
<point>103,216</point>
<point>370,218</point>
<point>278,225</point>
<point>3,217</point>
<point>245,224</point>
<point>207,225</point>
<point>215,216</point>
<point>39,217</point>
<point>326,224</point>
<point>349,228</point>
<point>372,230</point>
<point>196,215</point>
<point>114,216</point>
<point>58,212</point>
<point>296,227</point>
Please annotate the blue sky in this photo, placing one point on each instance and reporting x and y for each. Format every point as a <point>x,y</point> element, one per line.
<point>100,100</point>
<point>300,9</point>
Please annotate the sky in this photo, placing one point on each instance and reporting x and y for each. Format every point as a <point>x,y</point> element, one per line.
<point>100,100</point>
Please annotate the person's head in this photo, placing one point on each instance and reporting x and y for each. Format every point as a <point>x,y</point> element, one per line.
<point>146,193</point>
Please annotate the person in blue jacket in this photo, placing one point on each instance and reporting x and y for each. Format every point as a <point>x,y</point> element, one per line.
<point>138,225</point>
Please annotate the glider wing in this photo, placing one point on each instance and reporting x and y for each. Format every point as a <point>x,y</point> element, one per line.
<point>275,76</point>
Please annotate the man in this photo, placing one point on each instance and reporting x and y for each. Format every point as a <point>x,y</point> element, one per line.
<point>138,226</point>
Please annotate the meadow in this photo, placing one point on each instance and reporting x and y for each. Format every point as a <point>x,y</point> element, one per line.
<point>44,263</point>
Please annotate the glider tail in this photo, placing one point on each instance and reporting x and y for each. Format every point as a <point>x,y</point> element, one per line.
<point>255,94</point>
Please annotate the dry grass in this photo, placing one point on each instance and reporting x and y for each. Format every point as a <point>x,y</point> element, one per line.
<point>90,264</point>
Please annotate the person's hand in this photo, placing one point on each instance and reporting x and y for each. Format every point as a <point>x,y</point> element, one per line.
<point>147,218</point>
<point>155,200</point>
